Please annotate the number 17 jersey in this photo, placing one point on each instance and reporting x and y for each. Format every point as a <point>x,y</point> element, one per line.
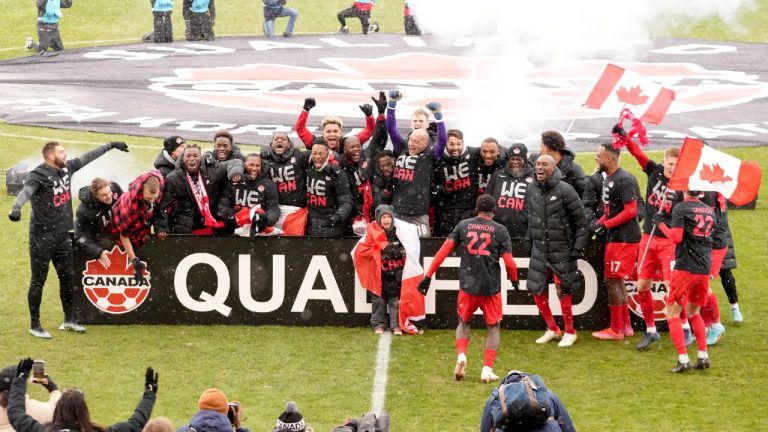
<point>694,253</point>
<point>480,242</point>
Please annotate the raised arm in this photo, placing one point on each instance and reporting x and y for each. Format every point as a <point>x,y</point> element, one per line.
<point>442,135</point>
<point>301,123</point>
<point>370,122</point>
<point>394,134</point>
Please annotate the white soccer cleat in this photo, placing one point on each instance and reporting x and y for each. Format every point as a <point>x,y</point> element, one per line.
<point>487,375</point>
<point>567,340</point>
<point>461,365</point>
<point>29,43</point>
<point>549,336</point>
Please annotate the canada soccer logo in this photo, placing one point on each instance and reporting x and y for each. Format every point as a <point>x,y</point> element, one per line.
<point>658,289</point>
<point>114,289</point>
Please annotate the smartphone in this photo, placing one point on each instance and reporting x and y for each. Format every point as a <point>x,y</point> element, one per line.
<point>38,369</point>
<point>232,412</point>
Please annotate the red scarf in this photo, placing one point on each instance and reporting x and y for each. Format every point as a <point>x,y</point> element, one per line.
<point>201,198</point>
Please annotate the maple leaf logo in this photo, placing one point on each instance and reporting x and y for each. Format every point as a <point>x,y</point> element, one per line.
<point>714,173</point>
<point>114,289</point>
<point>633,96</point>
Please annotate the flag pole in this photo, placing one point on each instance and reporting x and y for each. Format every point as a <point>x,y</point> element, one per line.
<point>650,238</point>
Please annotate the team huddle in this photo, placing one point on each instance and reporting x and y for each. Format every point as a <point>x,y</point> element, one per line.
<point>478,197</point>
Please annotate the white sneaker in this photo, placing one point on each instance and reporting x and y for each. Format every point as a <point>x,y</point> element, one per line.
<point>549,336</point>
<point>567,340</point>
<point>71,325</point>
<point>29,42</point>
<point>461,365</point>
<point>487,375</point>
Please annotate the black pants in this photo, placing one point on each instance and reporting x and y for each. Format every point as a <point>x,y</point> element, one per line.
<point>447,219</point>
<point>199,27</point>
<point>729,285</point>
<point>353,12</point>
<point>49,37</point>
<point>163,27</point>
<point>44,248</point>
<point>385,313</point>
<point>411,28</point>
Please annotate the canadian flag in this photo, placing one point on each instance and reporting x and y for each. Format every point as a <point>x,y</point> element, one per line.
<point>244,217</point>
<point>366,256</point>
<point>702,168</point>
<point>618,88</point>
<point>293,220</point>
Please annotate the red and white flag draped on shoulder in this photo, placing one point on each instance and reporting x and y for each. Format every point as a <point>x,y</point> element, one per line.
<point>366,256</point>
<point>619,88</point>
<point>702,168</point>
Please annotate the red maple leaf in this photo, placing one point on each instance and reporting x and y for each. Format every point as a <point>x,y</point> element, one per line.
<point>119,265</point>
<point>714,173</point>
<point>633,96</point>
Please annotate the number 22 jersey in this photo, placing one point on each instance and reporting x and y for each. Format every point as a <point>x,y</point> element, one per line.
<point>480,242</point>
<point>694,253</point>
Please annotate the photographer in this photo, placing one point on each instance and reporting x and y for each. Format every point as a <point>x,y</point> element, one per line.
<point>38,410</point>
<point>216,414</point>
<point>71,413</point>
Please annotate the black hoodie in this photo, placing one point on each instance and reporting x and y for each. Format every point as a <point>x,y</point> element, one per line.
<point>509,193</point>
<point>289,172</point>
<point>92,218</point>
<point>456,180</point>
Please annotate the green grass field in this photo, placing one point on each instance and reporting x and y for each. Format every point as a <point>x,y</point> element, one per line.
<point>329,371</point>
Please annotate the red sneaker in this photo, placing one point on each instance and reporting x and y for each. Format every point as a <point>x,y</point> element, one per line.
<point>608,334</point>
<point>629,331</point>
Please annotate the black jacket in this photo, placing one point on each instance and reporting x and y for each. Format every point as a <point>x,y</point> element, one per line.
<point>571,171</point>
<point>509,193</point>
<point>93,218</point>
<point>164,164</point>
<point>21,422</point>
<point>249,193</point>
<point>556,229</point>
<point>327,196</point>
<point>359,174</point>
<point>180,214</point>
<point>455,180</point>
<point>289,172</point>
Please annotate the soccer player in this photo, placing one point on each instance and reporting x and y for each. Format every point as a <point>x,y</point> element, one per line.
<point>508,186</point>
<point>419,120</point>
<point>455,183</point>
<point>710,313</point>
<point>661,252</point>
<point>48,15</point>
<point>329,200</point>
<point>48,187</point>
<point>480,243</point>
<point>619,222</point>
<point>557,233</point>
<point>691,230</point>
<point>173,147</point>
<point>492,159</point>
<point>331,127</point>
<point>553,144</point>
<point>255,188</point>
<point>94,217</point>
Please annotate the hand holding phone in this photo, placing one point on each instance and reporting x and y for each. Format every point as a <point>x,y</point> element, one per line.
<point>38,369</point>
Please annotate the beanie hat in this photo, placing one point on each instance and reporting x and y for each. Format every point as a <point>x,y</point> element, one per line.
<point>214,400</point>
<point>6,377</point>
<point>290,420</point>
<point>172,143</point>
<point>383,209</point>
<point>519,150</point>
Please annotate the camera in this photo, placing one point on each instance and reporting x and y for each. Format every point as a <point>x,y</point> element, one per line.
<point>38,369</point>
<point>234,407</point>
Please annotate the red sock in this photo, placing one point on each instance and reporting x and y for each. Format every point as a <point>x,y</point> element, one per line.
<point>617,320</point>
<point>566,303</point>
<point>707,314</point>
<point>683,316</point>
<point>677,336</point>
<point>490,357</point>
<point>697,325</point>
<point>625,316</point>
<point>461,346</point>
<point>542,302</point>
<point>714,307</point>
<point>646,305</point>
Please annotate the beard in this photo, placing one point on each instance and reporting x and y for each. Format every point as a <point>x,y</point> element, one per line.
<point>517,172</point>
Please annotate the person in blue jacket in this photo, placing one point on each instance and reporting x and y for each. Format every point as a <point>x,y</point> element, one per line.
<point>274,9</point>
<point>200,17</point>
<point>163,32</point>
<point>48,15</point>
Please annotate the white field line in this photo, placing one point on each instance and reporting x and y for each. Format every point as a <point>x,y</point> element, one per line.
<point>379,395</point>
<point>42,138</point>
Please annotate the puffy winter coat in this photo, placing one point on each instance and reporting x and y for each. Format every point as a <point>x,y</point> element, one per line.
<point>572,172</point>
<point>557,228</point>
<point>92,218</point>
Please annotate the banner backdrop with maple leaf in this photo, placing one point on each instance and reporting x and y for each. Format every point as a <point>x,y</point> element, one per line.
<point>701,167</point>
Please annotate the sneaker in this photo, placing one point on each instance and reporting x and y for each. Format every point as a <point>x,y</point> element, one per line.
<point>29,42</point>
<point>39,332</point>
<point>344,30</point>
<point>487,375</point>
<point>373,27</point>
<point>703,363</point>
<point>397,331</point>
<point>681,367</point>
<point>608,334</point>
<point>567,340</point>
<point>689,337</point>
<point>648,340</point>
<point>287,35</point>
<point>461,365</point>
<point>629,331</point>
<point>71,325</point>
<point>379,330</point>
<point>737,316</point>
<point>715,333</point>
<point>549,336</point>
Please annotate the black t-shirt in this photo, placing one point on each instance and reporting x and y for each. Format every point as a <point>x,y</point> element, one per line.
<point>413,184</point>
<point>288,171</point>
<point>52,200</point>
<point>618,189</point>
<point>694,253</point>
<point>654,195</point>
<point>485,172</point>
<point>458,178</point>
<point>480,242</point>
<point>509,193</point>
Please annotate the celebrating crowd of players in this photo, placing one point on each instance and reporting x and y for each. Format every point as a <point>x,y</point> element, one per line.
<point>432,180</point>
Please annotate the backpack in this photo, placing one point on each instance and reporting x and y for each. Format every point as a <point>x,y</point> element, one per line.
<point>521,402</point>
